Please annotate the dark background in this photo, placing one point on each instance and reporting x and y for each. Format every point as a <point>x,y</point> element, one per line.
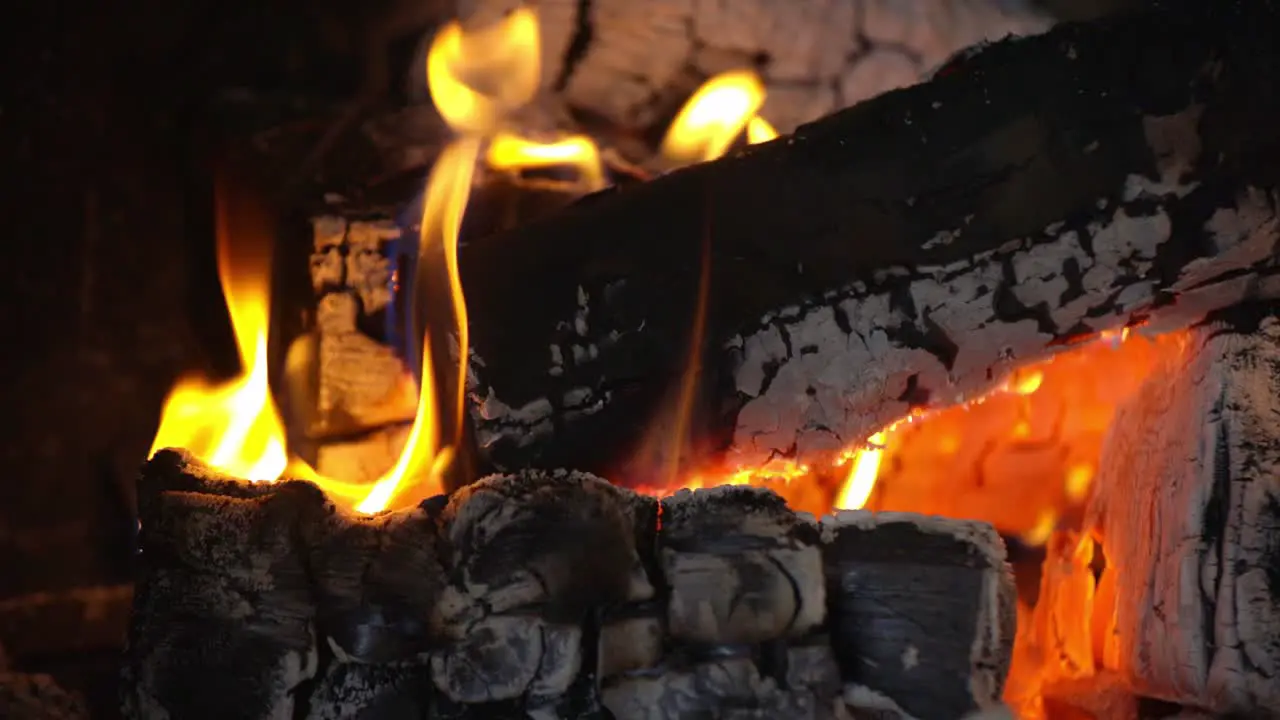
<point>108,115</point>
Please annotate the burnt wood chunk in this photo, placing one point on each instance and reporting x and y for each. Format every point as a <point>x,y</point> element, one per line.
<point>362,691</point>
<point>223,620</point>
<point>739,566</point>
<point>532,558</point>
<point>901,252</point>
<point>360,383</point>
<point>922,612</point>
<point>377,581</point>
<point>1187,505</point>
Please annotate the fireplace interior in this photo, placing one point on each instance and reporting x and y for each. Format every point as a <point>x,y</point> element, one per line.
<point>837,359</point>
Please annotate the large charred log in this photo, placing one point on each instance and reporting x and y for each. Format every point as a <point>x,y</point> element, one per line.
<point>1188,509</point>
<point>549,593</point>
<point>901,252</point>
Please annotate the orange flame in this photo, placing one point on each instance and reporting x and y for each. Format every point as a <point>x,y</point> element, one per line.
<point>478,78</point>
<point>235,425</point>
<point>715,116</point>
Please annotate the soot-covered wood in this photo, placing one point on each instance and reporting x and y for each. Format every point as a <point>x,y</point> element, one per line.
<point>1188,509</point>
<point>548,594</point>
<point>899,252</point>
<point>899,582</point>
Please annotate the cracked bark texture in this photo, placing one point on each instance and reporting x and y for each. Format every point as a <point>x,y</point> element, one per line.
<point>899,253</point>
<point>1188,509</point>
<point>547,594</point>
<point>632,64</point>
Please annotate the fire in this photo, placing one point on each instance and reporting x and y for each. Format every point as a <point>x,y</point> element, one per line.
<point>715,116</point>
<point>234,425</point>
<point>511,152</point>
<point>476,80</point>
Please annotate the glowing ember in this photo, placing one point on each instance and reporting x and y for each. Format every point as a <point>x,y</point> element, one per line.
<point>862,478</point>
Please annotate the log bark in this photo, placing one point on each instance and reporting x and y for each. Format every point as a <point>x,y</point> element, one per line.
<point>544,593</point>
<point>222,617</point>
<point>898,253</point>
<point>632,64</point>
<point>1188,508</point>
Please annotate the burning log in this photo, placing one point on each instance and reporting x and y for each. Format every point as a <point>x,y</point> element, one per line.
<point>222,615</point>
<point>902,252</point>
<point>1188,508</point>
<point>555,592</point>
<point>632,63</point>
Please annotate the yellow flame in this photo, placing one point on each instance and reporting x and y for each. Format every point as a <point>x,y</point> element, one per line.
<point>478,77</point>
<point>716,114</point>
<point>862,478</point>
<point>1079,477</point>
<point>510,152</point>
<point>1039,533</point>
<point>1026,383</point>
<point>760,131</point>
<point>233,426</point>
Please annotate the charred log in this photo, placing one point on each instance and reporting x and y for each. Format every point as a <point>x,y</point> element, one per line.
<point>551,593</point>
<point>223,619</point>
<point>1188,507</point>
<point>899,582</point>
<point>898,253</point>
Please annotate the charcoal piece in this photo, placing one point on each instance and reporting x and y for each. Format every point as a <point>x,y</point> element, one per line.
<point>533,558</point>
<point>360,691</point>
<point>1187,508</point>
<point>739,566</point>
<point>922,612</point>
<point>902,251</point>
<point>223,618</point>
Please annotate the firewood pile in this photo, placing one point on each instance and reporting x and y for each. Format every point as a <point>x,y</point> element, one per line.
<point>554,594</point>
